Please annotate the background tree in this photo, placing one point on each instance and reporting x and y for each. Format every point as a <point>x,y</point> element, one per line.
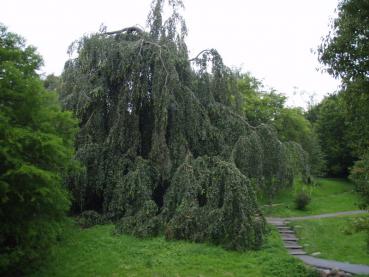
<point>259,106</point>
<point>52,83</point>
<point>292,125</point>
<point>356,101</point>
<point>36,148</point>
<point>269,107</point>
<point>332,128</point>
<point>345,49</point>
<point>345,53</point>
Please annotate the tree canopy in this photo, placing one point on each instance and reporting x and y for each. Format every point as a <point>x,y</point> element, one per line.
<point>262,106</point>
<point>345,49</point>
<point>345,53</point>
<point>164,140</point>
<point>36,150</point>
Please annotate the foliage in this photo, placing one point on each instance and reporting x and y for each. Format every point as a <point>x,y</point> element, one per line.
<point>52,83</point>
<point>362,224</point>
<point>302,199</point>
<point>356,99</point>
<point>341,124</point>
<point>163,138</point>
<point>268,107</point>
<point>328,236</point>
<point>90,218</point>
<point>332,129</point>
<point>205,203</point>
<point>95,251</point>
<point>36,147</point>
<point>259,106</point>
<point>345,49</point>
<point>345,53</point>
<point>360,176</point>
<point>292,125</point>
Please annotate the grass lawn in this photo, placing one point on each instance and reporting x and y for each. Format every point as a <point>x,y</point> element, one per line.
<point>328,237</point>
<point>327,196</point>
<point>97,252</point>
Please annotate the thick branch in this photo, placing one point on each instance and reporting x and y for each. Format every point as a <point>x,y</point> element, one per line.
<point>126,30</point>
<point>202,52</point>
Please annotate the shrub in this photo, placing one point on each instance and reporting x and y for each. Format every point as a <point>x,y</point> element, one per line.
<point>360,176</point>
<point>90,218</point>
<point>302,200</point>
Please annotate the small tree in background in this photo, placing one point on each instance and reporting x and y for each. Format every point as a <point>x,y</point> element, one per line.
<point>36,147</point>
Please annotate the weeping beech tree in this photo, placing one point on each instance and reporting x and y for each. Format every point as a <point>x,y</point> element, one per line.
<point>163,140</point>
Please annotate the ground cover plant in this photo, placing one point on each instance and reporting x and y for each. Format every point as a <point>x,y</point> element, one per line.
<point>327,196</point>
<point>333,238</point>
<point>97,252</point>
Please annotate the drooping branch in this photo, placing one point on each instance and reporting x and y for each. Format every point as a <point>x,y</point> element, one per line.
<point>199,54</point>
<point>126,30</point>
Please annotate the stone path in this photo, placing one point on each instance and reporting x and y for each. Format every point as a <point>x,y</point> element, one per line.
<point>321,215</point>
<point>290,242</point>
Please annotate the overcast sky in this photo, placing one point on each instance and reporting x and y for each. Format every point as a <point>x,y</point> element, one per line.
<point>271,39</point>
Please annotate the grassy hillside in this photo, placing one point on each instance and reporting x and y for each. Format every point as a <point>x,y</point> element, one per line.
<point>97,252</point>
<point>332,237</point>
<point>327,196</point>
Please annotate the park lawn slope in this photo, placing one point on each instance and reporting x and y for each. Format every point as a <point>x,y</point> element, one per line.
<point>327,196</point>
<point>333,238</point>
<point>97,252</point>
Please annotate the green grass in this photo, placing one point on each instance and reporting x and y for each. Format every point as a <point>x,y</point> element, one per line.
<point>327,196</point>
<point>329,236</point>
<point>97,252</point>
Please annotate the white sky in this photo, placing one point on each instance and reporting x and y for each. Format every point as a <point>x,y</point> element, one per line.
<point>271,39</point>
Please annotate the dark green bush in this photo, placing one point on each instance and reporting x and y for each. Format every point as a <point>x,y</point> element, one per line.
<point>302,200</point>
<point>359,175</point>
<point>90,218</point>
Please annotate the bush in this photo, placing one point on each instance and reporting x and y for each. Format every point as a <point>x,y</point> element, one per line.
<point>36,147</point>
<point>302,200</point>
<point>359,174</point>
<point>90,218</point>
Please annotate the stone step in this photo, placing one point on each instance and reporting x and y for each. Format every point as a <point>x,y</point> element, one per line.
<point>286,232</point>
<point>289,238</point>
<point>283,228</point>
<point>277,223</point>
<point>296,246</point>
<point>288,235</point>
<point>275,220</point>
<point>296,252</point>
<point>293,243</point>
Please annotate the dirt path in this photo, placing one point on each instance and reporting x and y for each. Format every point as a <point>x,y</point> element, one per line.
<point>291,244</point>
